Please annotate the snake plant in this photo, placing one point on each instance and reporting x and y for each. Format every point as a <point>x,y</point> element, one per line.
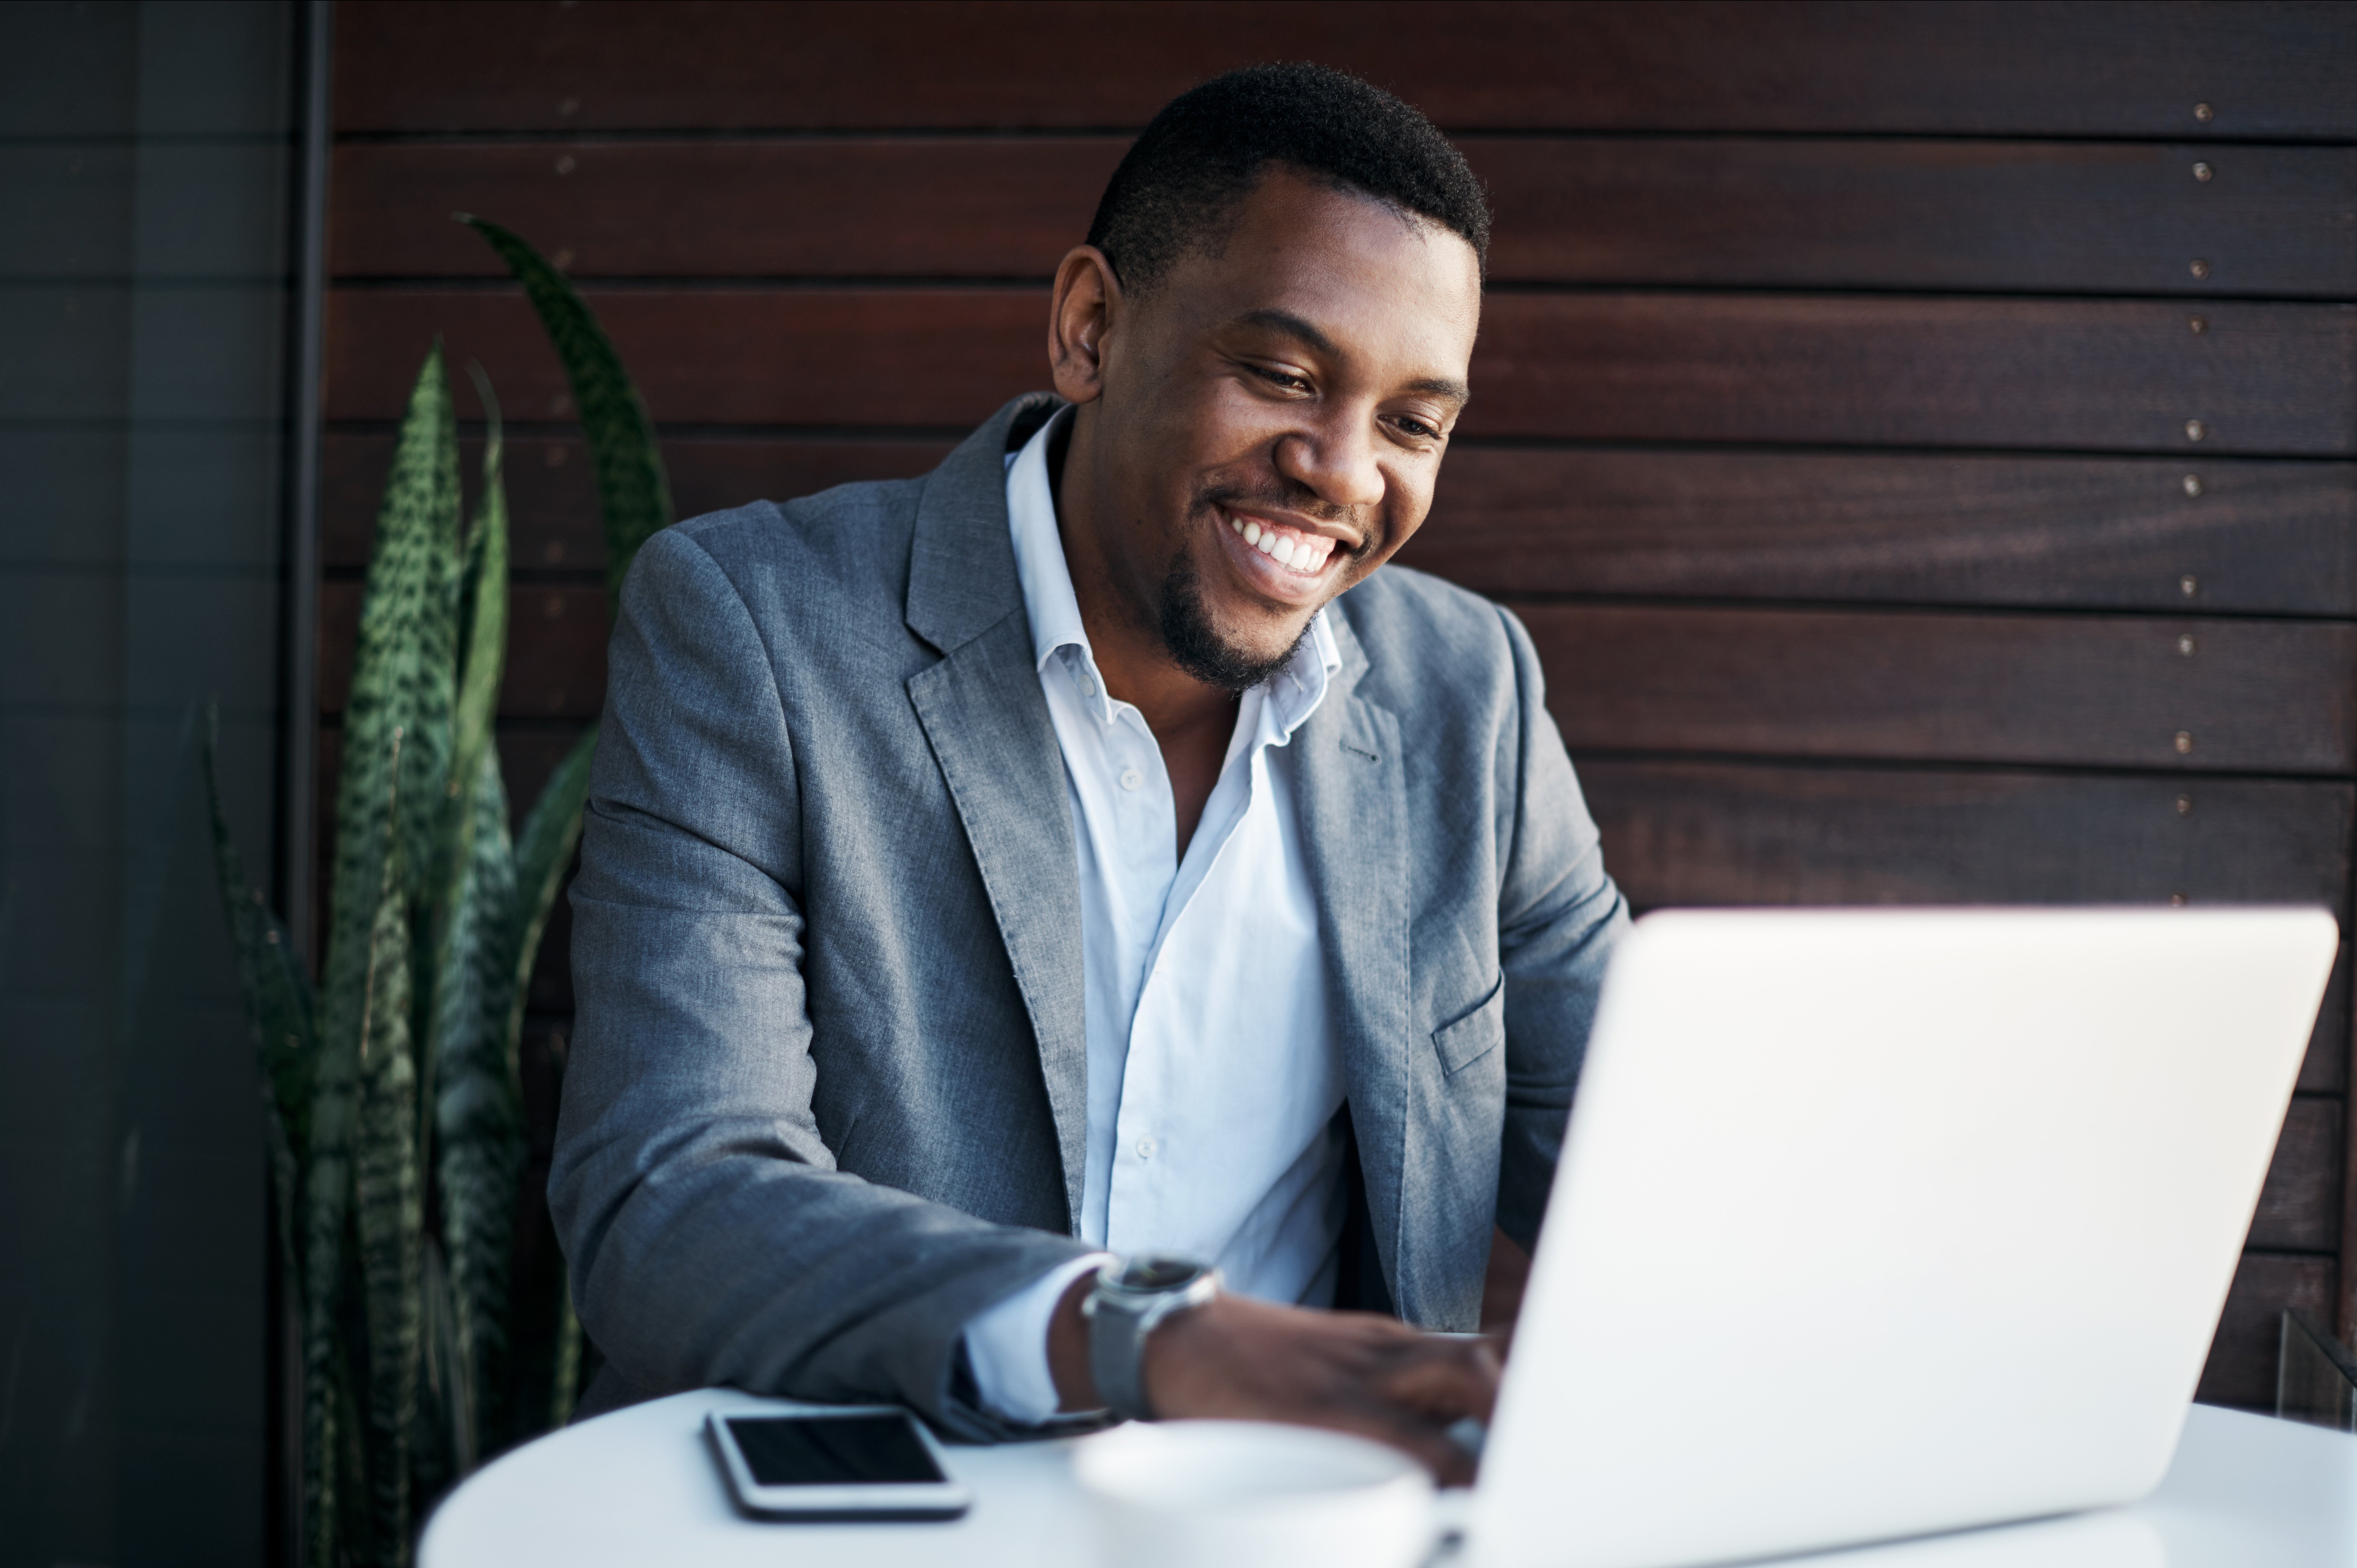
<point>392,1094</point>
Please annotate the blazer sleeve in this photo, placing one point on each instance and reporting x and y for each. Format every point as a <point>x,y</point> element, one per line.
<point>1559,915</point>
<point>709,1237</point>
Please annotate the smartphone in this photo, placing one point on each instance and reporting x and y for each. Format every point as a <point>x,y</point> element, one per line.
<point>860,1462</point>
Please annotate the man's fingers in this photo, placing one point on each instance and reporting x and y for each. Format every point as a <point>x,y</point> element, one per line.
<point>1444,1381</point>
<point>1430,1446</point>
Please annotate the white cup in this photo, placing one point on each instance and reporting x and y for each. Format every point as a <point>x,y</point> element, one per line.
<point>1251,1494</point>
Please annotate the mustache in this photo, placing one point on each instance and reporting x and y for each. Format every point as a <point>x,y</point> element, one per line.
<point>1287,496</point>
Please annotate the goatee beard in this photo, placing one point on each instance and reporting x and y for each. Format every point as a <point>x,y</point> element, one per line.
<point>1188,633</point>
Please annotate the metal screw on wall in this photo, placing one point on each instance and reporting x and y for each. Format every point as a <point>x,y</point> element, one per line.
<point>2196,431</point>
<point>2185,646</point>
<point>2197,325</point>
<point>2203,113</point>
<point>2203,172</point>
<point>2187,585</point>
<point>2193,484</point>
<point>2184,741</point>
<point>2200,269</point>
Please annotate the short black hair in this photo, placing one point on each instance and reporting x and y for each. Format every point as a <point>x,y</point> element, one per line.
<point>1183,179</point>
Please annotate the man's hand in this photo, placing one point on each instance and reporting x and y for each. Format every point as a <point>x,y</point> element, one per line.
<point>1353,1371</point>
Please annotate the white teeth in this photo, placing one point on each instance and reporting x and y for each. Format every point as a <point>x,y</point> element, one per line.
<point>1252,533</point>
<point>1267,541</point>
<point>1284,552</point>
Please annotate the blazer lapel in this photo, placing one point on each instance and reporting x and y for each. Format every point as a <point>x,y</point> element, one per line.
<point>986,719</point>
<point>1353,808</point>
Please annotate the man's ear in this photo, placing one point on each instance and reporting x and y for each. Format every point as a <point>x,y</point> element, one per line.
<point>1087,296</point>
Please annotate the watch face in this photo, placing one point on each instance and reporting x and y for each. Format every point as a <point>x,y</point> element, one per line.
<point>1152,1273</point>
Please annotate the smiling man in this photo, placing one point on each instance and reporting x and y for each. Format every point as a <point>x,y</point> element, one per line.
<point>1051,932</point>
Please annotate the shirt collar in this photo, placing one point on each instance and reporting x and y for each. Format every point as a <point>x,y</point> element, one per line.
<point>1292,694</point>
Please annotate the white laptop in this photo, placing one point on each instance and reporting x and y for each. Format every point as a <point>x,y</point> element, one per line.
<point>1874,1223</point>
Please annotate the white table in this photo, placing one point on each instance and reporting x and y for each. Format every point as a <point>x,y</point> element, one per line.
<point>638,1488</point>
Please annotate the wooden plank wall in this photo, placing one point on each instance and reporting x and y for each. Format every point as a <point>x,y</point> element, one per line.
<point>1919,437</point>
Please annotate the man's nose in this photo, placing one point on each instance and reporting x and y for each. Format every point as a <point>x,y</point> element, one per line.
<point>1337,460</point>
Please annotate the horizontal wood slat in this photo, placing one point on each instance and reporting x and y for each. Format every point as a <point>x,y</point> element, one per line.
<point>552,496</point>
<point>2121,692</point>
<point>2100,70</point>
<point>2299,1207</point>
<point>2038,374</point>
<point>556,649</point>
<point>927,207</point>
<point>1699,835</point>
<point>2085,375</point>
<point>2242,1367</point>
<point>2039,217</point>
<point>2049,217</point>
<point>1753,834</point>
<point>2125,533</point>
<point>939,358</point>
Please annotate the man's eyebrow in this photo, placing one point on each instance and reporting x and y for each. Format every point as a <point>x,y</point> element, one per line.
<point>1294,326</point>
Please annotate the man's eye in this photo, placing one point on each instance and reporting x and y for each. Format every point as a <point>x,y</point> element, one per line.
<point>1280,378</point>
<point>1418,428</point>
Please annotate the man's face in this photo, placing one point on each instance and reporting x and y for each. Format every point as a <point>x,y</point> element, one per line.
<point>1273,417</point>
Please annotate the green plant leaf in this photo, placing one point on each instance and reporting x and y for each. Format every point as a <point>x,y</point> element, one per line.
<point>544,855</point>
<point>388,1212</point>
<point>478,1112</point>
<point>442,1445</point>
<point>632,492</point>
<point>403,684</point>
<point>470,925</point>
<point>277,1009</point>
<point>484,605</point>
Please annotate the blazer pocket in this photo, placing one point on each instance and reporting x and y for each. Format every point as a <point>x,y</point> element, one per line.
<point>1481,1030</point>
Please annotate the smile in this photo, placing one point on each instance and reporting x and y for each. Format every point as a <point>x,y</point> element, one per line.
<point>1288,547</point>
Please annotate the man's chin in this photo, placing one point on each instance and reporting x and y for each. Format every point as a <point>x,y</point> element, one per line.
<point>1211,653</point>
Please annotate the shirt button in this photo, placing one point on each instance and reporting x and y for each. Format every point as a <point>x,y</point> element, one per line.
<point>1145,1148</point>
<point>1088,687</point>
<point>1130,779</point>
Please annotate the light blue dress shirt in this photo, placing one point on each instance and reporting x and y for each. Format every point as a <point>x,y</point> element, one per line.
<point>1214,1073</point>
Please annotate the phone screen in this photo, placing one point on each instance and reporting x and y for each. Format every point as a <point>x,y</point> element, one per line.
<point>832,1450</point>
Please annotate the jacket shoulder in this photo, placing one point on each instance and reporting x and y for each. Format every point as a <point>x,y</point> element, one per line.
<point>1426,639</point>
<point>848,544</point>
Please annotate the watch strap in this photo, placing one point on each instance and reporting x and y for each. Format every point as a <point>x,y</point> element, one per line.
<point>1120,1318</point>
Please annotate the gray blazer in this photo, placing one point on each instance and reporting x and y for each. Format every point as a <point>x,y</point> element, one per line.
<point>825,1098</point>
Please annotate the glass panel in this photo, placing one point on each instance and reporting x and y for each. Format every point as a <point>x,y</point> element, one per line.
<point>146,186</point>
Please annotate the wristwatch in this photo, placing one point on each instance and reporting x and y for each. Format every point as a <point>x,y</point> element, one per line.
<point>1131,1295</point>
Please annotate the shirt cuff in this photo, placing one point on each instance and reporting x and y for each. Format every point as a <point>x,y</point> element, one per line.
<point>1007,1345</point>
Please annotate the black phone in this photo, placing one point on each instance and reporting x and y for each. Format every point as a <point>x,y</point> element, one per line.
<point>863,1461</point>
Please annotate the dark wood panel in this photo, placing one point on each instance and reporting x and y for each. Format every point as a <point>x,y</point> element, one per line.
<point>2098,217</point>
<point>2300,1208</point>
<point>2242,1368</point>
<point>1681,834</point>
<point>926,207</point>
<point>2179,692</point>
<point>2038,215</point>
<point>553,497</point>
<point>2075,374</point>
<point>2127,533</point>
<point>938,358</point>
<point>2084,375</point>
<point>556,649</point>
<point>1697,835</point>
<point>2102,69</point>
